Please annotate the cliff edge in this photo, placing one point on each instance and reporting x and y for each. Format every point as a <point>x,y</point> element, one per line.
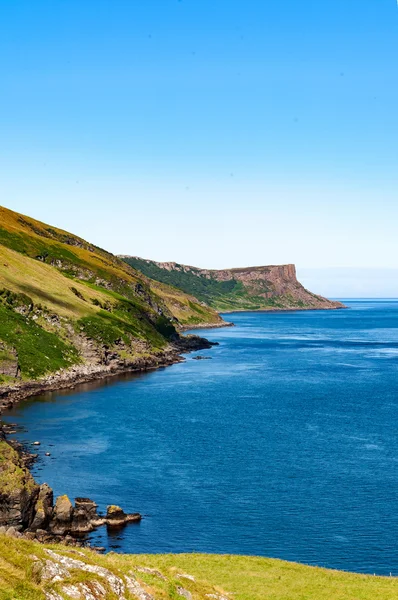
<point>271,287</point>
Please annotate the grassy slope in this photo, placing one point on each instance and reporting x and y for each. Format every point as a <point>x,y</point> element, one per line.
<point>213,292</point>
<point>78,258</point>
<point>240,578</point>
<point>54,285</point>
<point>226,296</point>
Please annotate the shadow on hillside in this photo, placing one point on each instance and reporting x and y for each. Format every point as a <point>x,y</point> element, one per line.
<point>45,297</point>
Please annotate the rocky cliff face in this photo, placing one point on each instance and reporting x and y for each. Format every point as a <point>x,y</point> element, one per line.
<point>273,282</point>
<point>272,287</point>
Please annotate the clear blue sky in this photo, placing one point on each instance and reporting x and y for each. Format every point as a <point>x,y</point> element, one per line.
<point>216,133</point>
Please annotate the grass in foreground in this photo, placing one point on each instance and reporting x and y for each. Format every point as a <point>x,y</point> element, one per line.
<point>254,578</point>
<point>234,577</point>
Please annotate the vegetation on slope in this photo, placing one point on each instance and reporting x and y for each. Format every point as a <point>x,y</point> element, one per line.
<point>235,289</point>
<point>64,301</point>
<point>30,571</point>
<point>82,261</point>
<point>206,289</point>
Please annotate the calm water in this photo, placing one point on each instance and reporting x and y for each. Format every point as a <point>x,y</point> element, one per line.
<point>284,444</point>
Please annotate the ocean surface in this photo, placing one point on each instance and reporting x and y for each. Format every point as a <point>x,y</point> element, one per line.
<point>284,444</point>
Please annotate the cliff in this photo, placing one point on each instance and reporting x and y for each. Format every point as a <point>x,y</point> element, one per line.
<point>273,287</point>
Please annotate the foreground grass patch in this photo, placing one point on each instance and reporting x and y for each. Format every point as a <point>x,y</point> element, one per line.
<point>203,576</point>
<point>253,578</point>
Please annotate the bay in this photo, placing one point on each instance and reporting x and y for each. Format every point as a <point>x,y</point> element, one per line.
<point>284,444</point>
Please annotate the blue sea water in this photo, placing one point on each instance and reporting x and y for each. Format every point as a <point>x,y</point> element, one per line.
<point>284,444</point>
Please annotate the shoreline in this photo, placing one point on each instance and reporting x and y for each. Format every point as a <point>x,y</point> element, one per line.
<point>30,511</point>
<point>207,326</point>
<point>81,374</point>
<point>75,376</point>
<point>282,310</point>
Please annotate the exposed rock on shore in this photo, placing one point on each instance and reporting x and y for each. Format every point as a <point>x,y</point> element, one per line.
<point>97,370</point>
<point>28,509</point>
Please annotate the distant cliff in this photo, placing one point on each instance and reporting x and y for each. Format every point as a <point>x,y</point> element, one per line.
<point>273,287</point>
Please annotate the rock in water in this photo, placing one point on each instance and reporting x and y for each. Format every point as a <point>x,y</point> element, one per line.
<point>116,517</point>
<point>85,516</point>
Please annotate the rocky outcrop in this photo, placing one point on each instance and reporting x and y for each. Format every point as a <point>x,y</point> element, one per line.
<point>9,365</point>
<point>28,508</point>
<point>61,522</point>
<point>116,517</point>
<point>111,367</point>
<point>268,282</point>
<point>271,287</point>
<point>18,490</point>
<point>43,510</point>
<point>17,508</point>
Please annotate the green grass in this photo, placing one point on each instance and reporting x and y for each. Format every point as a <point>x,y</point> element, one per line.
<point>58,286</point>
<point>79,260</point>
<point>13,477</point>
<point>229,295</point>
<point>253,578</point>
<point>254,293</point>
<point>237,577</point>
<point>39,351</point>
<point>207,290</point>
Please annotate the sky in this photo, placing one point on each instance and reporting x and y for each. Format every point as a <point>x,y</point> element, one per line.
<point>214,133</point>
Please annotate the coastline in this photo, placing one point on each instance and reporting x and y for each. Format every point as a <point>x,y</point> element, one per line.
<point>80,374</point>
<point>69,379</point>
<point>208,325</point>
<point>283,310</point>
<point>21,507</point>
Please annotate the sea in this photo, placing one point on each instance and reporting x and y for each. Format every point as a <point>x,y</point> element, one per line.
<point>281,442</point>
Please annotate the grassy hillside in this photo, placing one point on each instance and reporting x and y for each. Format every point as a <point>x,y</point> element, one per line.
<point>192,281</point>
<point>252,288</point>
<point>29,571</point>
<point>63,301</point>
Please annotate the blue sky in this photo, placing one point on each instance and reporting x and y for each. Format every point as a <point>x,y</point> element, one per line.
<point>216,133</point>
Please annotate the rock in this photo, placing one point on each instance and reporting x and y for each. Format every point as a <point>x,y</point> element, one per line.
<point>53,596</point>
<point>186,576</point>
<point>115,583</point>
<point>9,365</point>
<point>184,593</point>
<point>136,589</point>
<point>154,572</point>
<point>17,506</point>
<point>85,591</point>
<point>13,533</point>
<point>43,509</point>
<point>85,516</point>
<point>61,522</point>
<point>116,517</point>
<point>52,571</point>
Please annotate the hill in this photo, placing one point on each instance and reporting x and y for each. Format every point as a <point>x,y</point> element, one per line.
<point>272,287</point>
<point>67,306</point>
<point>30,571</point>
